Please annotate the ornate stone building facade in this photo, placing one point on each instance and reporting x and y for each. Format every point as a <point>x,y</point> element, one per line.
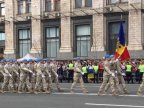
<point>63,29</point>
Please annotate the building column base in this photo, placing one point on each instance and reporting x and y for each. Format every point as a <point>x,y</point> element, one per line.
<point>36,52</point>
<point>137,54</point>
<point>65,49</point>
<point>97,48</point>
<point>135,47</point>
<point>96,54</point>
<point>65,56</point>
<point>9,54</point>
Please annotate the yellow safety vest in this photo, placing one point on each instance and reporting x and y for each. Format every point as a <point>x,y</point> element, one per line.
<point>128,68</point>
<point>84,69</point>
<point>71,66</point>
<point>141,68</point>
<point>95,69</point>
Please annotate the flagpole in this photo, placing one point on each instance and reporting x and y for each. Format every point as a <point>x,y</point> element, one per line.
<point>121,17</point>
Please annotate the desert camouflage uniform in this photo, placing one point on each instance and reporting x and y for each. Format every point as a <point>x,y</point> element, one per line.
<point>40,77</point>
<point>78,77</point>
<point>24,78</point>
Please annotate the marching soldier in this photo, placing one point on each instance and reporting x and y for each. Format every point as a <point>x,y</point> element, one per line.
<point>78,76</point>
<point>15,69</point>
<point>108,76</point>
<point>118,79</point>
<point>2,71</point>
<point>40,76</point>
<point>24,77</point>
<point>47,74</point>
<point>8,81</point>
<point>32,76</point>
<point>54,75</point>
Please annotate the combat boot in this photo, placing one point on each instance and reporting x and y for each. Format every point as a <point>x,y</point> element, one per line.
<point>59,90</point>
<point>85,91</point>
<point>126,92</point>
<point>71,91</point>
<point>139,93</point>
<point>115,94</point>
<point>99,93</point>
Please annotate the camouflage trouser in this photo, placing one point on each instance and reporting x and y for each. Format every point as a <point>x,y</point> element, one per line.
<point>140,89</point>
<point>11,83</point>
<point>16,81</point>
<point>77,78</point>
<point>49,82</point>
<point>40,78</point>
<point>33,81</point>
<point>55,79</point>
<point>115,82</point>
<point>24,79</point>
<point>5,82</point>
<point>122,82</point>
<point>107,79</point>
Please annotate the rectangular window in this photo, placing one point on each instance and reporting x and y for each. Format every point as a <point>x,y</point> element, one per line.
<point>20,7</point>
<point>113,29</point>
<point>2,36</point>
<point>83,40</point>
<point>24,37</point>
<point>28,6</point>
<point>88,3</point>
<point>2,9</point>
<point>78,3</point>
<point>48,5</point>
<point>56,5</point>
<point>52,41</point>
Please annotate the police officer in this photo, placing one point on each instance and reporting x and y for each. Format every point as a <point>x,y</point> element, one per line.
<point>78,76</point>
<point>70,71</point>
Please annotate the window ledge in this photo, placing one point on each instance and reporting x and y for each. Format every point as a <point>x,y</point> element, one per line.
<point>118,3</point>
<point>23,14</point>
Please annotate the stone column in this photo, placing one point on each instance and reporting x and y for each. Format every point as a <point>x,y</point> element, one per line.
<point>36,49</point>
<point>9,30</point>
<point>66,39</point>
<point>135,29</point>
<point>97,49</point>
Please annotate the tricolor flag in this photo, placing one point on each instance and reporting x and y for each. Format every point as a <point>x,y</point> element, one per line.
<point>121,48</point>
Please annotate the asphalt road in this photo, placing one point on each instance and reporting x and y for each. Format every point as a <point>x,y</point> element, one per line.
<point>76,100</point>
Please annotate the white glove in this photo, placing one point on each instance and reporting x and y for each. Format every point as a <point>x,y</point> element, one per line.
<point>10,75</point>
<point>113,75</point>
<point>116,72</point>
<point>17,74</point>
<point>56,75</point>
<point>82,73</point>
<point>43,76</point>
<point>49,76</point>
<point>31,71</point>
<point>123,74</point>
<point>117,60</point>
<point>33,74</point>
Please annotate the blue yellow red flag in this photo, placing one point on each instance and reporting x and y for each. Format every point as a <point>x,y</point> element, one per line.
<point>121,48</point>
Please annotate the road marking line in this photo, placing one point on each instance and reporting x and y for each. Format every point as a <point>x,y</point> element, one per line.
<point>114,105</point>
<point>95,94</point>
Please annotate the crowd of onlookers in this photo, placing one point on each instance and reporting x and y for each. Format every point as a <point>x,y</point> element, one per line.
<point>93,70</point>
